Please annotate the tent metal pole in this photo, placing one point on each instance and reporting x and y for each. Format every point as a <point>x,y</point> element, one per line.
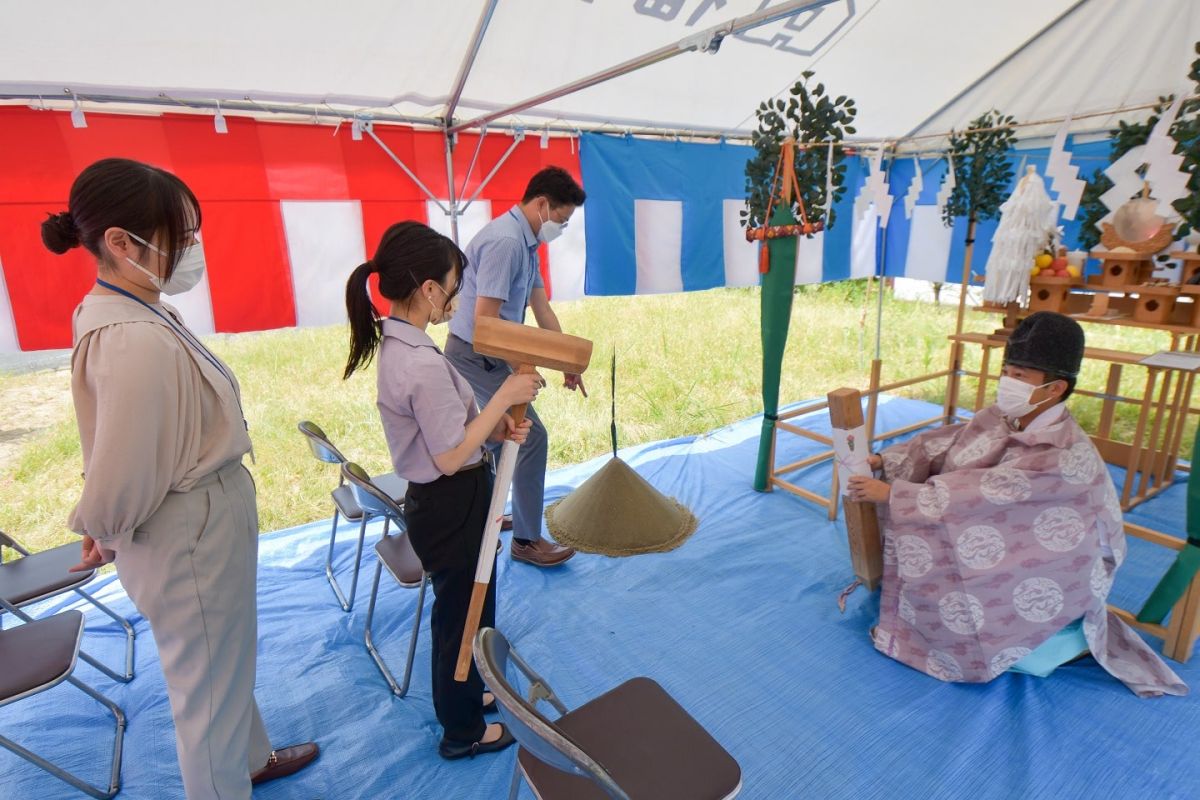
<point>454,212</point>
<point>707,40</point>
<point>499,163</point>
<point>471,169</point>
<point>407,171</point>
<point>464,70</point>
<point>997,67</point>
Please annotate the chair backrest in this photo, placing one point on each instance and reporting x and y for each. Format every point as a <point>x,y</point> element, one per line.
<point>534,732</point>
<point>370,497</point>
<point>319,443</point>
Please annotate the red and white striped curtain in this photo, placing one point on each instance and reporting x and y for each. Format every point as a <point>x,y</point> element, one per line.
<point>289,210</point>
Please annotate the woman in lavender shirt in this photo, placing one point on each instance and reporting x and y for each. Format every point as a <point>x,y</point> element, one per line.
<point>435,434</point>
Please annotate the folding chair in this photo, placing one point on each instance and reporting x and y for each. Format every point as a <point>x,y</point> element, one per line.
<point>631,743</point>
<point>38,656</point>
<point>396,554</point>
<point>38,576</point>
<point>345,505</point>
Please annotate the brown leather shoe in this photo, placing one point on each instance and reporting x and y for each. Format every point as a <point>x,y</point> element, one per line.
<point>287,761</point>
<point>540,553</point>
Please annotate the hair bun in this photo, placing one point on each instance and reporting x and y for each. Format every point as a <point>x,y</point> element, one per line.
<point>59,232</point>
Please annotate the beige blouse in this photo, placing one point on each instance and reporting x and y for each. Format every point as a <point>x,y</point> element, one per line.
<point>155,415</point>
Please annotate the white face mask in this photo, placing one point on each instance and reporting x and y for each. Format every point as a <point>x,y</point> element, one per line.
<point>1012,397</point>
<point>446,312</point>
<point>550,229</point>
<point>187,274</point>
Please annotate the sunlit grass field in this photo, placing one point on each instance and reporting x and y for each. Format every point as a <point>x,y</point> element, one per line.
<point>686,363</point>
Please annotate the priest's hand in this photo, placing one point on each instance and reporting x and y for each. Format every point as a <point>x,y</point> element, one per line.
<point>863,489</point>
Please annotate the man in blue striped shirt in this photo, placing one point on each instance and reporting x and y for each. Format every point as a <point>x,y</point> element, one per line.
<point>502,280</point>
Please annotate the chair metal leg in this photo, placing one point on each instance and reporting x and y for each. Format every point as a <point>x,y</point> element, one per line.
<point>412,639</point>
<point>333,584</point>
<point>515,787</point>
<point>369,641</point>
<point>399,689</point>
<point>130,635</point>
<point>114,784</point>
<point>347,600</point>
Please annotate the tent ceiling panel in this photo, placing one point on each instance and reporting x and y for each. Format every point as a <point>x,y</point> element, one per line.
<point>902,60</point>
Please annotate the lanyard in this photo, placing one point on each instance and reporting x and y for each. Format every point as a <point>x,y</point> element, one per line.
<point>188,337</point>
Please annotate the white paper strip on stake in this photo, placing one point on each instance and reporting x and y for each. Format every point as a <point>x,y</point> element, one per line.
<point>741,257</point>
<point>658,245</point>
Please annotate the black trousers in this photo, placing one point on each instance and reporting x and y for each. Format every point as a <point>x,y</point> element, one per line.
<point>445,525</point>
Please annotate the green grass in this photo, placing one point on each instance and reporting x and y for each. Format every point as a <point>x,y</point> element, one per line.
<point>686,363</point>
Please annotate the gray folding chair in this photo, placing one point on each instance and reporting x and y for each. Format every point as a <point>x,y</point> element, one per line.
<point>632,743</point>
<point>39,576</point>
<point>345,505</point>
<point>396,554</point>
<point>38,656</point>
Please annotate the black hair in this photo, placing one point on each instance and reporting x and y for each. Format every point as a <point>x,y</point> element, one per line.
<point>1058,376</point>
<point>408,255</point>
<point>135,197</point>
<point>557,186</point>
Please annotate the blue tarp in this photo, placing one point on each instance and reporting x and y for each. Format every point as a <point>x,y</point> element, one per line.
<point>740,625</point>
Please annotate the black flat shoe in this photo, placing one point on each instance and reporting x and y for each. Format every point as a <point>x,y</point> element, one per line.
<point>451,750</point>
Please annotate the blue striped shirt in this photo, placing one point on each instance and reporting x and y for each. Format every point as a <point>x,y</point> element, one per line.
<point>503,265</point>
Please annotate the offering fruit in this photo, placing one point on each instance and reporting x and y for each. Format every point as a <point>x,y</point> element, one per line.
<point>1043,260</point>
<point>1073,271</point>
<point>1059,263</point>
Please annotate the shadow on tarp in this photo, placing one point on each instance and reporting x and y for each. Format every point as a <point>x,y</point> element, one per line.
<point>740,625</point>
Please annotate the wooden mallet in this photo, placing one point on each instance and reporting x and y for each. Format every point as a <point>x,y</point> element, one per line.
<point>525,348</point>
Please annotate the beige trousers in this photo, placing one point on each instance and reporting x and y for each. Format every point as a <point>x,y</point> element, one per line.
<point>191,570</point>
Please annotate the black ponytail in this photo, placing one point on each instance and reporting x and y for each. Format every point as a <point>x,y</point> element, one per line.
<point>364,319</point>
<point>408,255</point>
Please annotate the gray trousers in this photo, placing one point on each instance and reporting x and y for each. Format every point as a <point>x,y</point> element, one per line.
<point>191,570</point>
<point>529,479</point>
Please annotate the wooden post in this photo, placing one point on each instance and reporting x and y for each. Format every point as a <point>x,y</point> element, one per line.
<point>966,274</point>
<point>862,523</point>
<point>1109,406</point>
<point>981,391</point>
<point>953,380</point>
<point>873,398</point>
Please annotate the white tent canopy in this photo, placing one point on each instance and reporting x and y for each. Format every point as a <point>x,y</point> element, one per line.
<point>906,62</point>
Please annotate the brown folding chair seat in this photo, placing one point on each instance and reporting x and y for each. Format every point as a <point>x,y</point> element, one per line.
<point>38,576</point>
<point>632,743</point>
<point>38,656</point>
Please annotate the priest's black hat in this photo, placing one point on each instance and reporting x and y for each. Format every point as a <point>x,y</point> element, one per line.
<point>1047,341</point>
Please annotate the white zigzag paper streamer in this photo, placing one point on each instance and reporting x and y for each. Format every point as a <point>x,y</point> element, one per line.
<point>1167,181</point>
<point>863,201</point>
<point>879,190</point>
<point>1126,181</point>
<point>1064,176</point>
<point>914,189</point>
<point>947,188</point>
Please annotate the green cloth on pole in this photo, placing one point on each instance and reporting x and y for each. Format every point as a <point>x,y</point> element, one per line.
<point>1187,563</point>
<point>777,287</point>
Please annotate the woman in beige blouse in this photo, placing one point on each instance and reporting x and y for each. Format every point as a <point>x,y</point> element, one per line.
<point>165,494</point>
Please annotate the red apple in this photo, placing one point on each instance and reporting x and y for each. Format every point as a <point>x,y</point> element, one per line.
<point>1059,263</point>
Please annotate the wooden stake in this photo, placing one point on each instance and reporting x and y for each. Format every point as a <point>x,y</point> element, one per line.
<point>862,523</point>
